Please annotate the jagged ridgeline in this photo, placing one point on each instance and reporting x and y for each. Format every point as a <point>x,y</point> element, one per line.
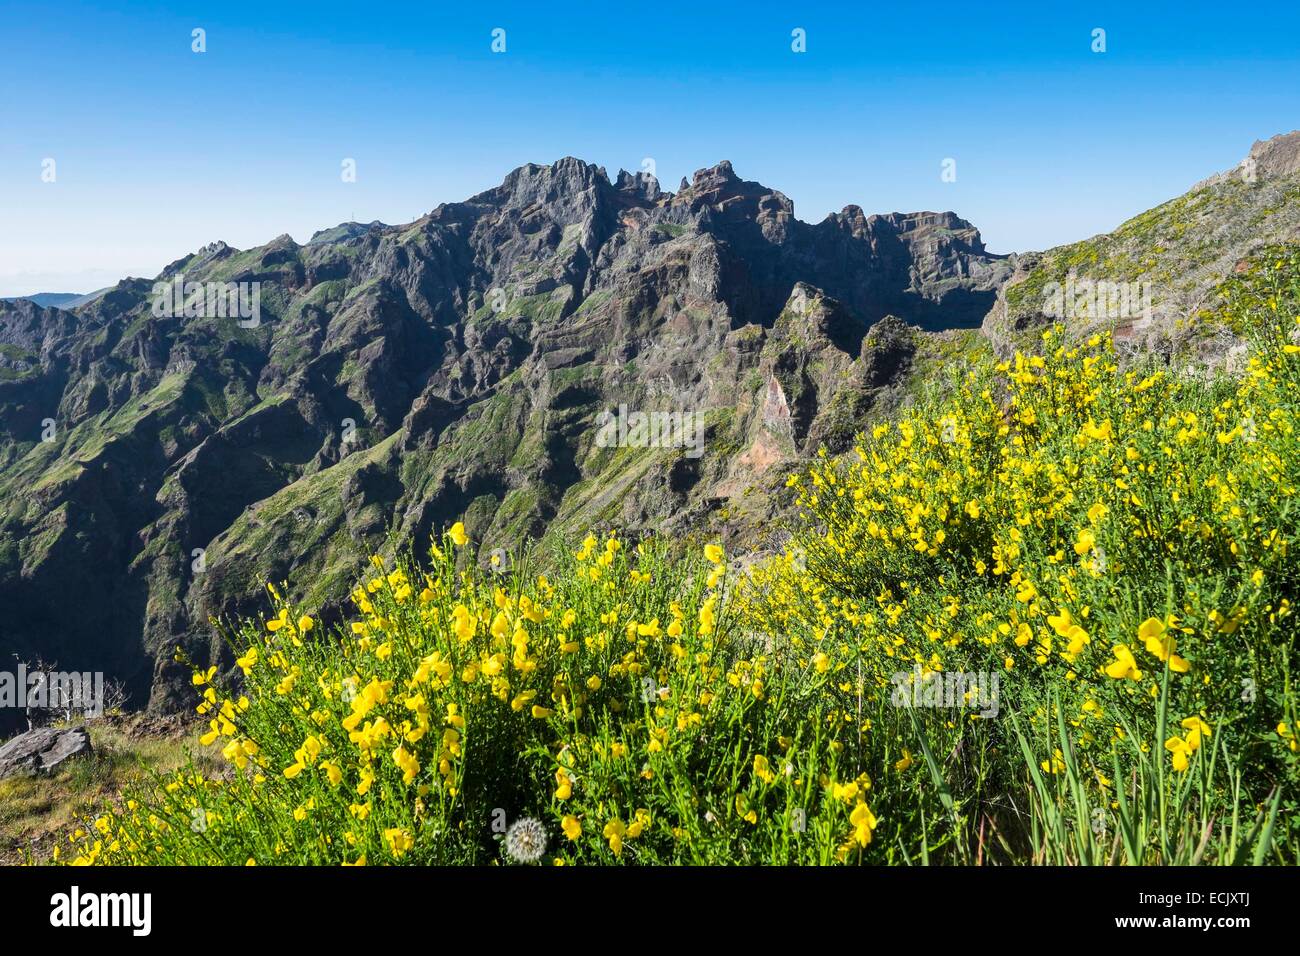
<point>159,465</point>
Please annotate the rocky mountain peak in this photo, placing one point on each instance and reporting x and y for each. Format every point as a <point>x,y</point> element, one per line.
<point>557,184</point>
<point>719,189</point>
<point>640,185</point>
<point>852,219</point>
<point>720,173</point>
<point>1276,157</point>
<point>1268,159</point>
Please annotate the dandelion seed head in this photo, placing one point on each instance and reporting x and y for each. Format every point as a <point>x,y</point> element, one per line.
<point>526,840</point>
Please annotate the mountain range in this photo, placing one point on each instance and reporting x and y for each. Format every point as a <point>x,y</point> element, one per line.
<point>159,465</point>
<point>61,300</point>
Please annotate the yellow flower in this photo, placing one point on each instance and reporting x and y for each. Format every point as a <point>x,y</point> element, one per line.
<point>1151,628</point>
<point>1097,432</point>
<point>1181,751</point>
<point>614,832</point>
<point>1196,729</point>
<point>247,662</point>
<point>458,536</point>
<point>1225,624</point>
<point>1124,664</point>
<point>367,778</point>
<point>905,763</point>
<point>399,841</point>
<point>863,821</point>
<point>1064,625</point>
<point>713,553</point>
<point>408,763</point>
<point>463,623</point>
<point>707,618</point>
<point>564,790</point>
<point>571,826</point>
<point>1288,735</point>
<point>1160,643</point>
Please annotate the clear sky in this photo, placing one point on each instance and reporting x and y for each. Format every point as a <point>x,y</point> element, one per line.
<point>159,150</point>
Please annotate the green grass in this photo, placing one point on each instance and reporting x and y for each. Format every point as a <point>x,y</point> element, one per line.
<point>37,812</point>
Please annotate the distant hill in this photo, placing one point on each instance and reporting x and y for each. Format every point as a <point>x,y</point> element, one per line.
<point>344,231</point>
<point>58,300</point>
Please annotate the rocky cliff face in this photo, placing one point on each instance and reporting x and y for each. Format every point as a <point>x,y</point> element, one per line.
<point>489,361</point>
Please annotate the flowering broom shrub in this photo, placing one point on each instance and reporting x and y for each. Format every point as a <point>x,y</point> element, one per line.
<point>612,713</point>
<point>1101,557</point>
<point>1115,550</point>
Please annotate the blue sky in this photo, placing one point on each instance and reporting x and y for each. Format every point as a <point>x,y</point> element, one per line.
<point>159,150</point>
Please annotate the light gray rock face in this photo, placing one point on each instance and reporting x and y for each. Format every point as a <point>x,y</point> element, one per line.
<point>1279,156</point>
<point>42,750</point>
<point>1267,159</point>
